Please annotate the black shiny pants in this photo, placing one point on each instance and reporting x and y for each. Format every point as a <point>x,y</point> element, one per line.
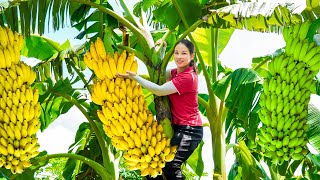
<point>187,139</point>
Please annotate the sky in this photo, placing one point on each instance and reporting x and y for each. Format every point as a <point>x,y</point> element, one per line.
<point>242,47</point>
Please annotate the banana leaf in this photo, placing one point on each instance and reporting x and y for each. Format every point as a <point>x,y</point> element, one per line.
<point>313,132</point>
<point>195,160</point>
<point>242,86</point>
<point>51,100</point>
<point>250,168</point>
<point>73,166</point>
<point>167,9</point>
<point>266,16</point>
<point>204,39</point>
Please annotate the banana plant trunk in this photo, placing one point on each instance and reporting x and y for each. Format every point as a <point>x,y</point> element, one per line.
<point>219,151</point>
<point>157,75</point>
<point>216,112</point>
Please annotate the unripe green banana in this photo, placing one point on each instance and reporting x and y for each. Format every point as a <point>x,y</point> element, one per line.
<point>304,30</point>
<point>304,50</point>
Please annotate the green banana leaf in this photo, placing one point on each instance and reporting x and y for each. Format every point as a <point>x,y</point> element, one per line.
<point>54,56</point>
<point>82,135</point>
<point>85,144</point>
<point>250,168</point>
<point>195,160</point>
<point>148,6</point>
<point>313,132</point>
<point>234,173</point>
<point>312,171</point>
<point>311,167</point>
<point>201,108</point>
<point>292,168</point>
<point>204,39</point>
<point>192,11</point>
<point>260,16</point>
<point>39,47</point>
<point>43,48</point>
<point>90,22</point>
<point>52,102</point>
<point>32,16</point>
<point>244,84</point>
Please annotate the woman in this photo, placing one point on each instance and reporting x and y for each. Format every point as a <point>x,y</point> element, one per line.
<point>182,89</point>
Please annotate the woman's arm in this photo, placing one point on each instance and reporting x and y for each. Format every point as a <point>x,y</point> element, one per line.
<point>163,90</point>
<point>159,90</point>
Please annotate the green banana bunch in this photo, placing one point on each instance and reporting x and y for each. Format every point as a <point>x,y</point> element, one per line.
<point>285,97</point>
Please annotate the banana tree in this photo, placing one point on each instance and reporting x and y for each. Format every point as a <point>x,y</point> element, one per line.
<point>267,17</point>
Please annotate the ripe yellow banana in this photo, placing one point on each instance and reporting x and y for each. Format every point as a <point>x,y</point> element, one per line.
<point>25,164</point>
<point>128,62</point>
<point>13,55</point>
<point>3,37</point>
<point>8,57</point>
<point>153,141</point>
<point>137,140</point>
<point>16,53</point>
<point>130,142</point>
<point>99,47</point>
<point>133,125</point>
<point>107,69</point>
<point>139,122</point>
<point>158,148</point>
<point>134,66</point>
<point>120,62</point>
<point>93,52</point>
<point>113,66</point>
<point>3,141</point>
<point>2,59</point>
<point>10,36</point>
<point>151,151</point>
<point>169,157</point>
<point>122,110</point>
<point>145,172</point>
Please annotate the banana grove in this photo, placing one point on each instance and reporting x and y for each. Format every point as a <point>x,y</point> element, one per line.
<point>125,135</point>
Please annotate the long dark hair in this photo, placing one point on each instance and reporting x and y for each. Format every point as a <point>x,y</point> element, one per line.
<point>190,47</point>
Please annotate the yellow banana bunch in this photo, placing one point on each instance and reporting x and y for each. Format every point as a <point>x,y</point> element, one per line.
<point>124,112</point>
<point>285,97</point>
<point>20,109</point>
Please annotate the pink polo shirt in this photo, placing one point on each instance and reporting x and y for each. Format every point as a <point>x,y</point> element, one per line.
<point>184,103</point>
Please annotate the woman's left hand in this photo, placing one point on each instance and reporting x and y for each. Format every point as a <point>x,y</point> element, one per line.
<point>128,75</point>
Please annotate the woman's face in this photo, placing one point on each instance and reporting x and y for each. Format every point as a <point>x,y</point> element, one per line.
<point>182,56</point>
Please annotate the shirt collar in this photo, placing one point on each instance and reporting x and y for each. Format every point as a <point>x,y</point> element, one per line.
<point>188,70</point>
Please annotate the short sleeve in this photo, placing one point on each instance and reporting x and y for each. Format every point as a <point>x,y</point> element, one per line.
<point>183,83</point>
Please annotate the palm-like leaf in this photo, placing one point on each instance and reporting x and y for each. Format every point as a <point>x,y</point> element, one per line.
<point>31,16</point>
<point>72,166</point>
<point>260,16</point>
<point>314,126</point>
<point>148,6</point>
<point>204,39</point>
